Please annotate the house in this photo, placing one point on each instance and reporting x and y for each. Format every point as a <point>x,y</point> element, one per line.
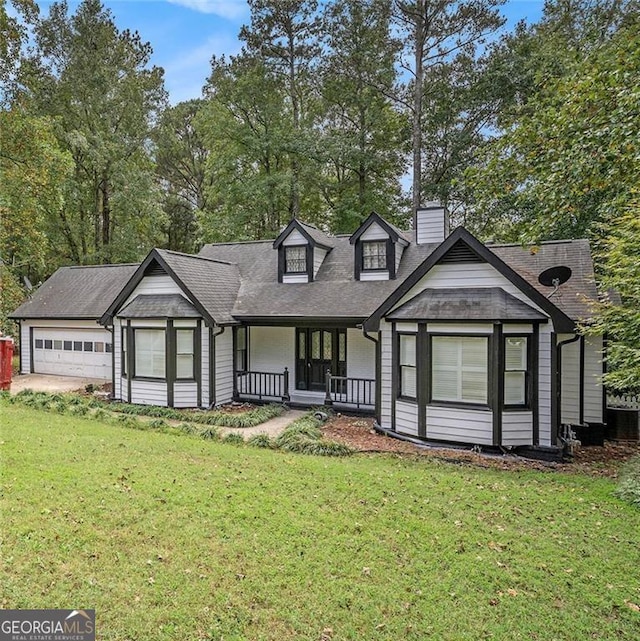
<point>442,337</point>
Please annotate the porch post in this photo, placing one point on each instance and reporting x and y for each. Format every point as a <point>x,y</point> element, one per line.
<point>285,396</point>
<point>234,348</point>
<point>327,396</point>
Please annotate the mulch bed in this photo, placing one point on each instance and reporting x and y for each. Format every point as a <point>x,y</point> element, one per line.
<point>358,433</point>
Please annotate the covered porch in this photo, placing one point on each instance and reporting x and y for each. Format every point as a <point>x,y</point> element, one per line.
<point>306,366</point>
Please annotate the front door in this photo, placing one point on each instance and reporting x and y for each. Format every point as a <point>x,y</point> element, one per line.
<point>319,351</point>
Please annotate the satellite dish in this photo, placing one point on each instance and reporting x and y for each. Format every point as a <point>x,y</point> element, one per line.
<point>555,276</point>
<point>27,283</point>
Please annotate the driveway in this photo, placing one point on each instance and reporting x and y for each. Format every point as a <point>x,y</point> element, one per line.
<point>50,383</point>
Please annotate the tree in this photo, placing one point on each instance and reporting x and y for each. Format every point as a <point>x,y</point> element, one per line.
<point>96,82</point>
<point>618,317</point>
<point>180,167</point>
<point>13,36</point>
<point>248,168</point>
<point>435,34</point>
<point>570,162</point>
<point>362,133</point>
<point>283,33</point>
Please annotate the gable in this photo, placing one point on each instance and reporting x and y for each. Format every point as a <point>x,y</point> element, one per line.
<point>458,268</point>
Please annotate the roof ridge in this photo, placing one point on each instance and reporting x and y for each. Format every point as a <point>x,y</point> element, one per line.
<point>543,242</point>
<point>236,242</point>
<point>185,255</point>
<point>107,265</point>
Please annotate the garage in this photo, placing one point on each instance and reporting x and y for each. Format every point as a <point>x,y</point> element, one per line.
<point>77,352</point>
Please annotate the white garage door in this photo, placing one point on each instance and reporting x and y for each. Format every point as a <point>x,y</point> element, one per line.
<point>72,352</point>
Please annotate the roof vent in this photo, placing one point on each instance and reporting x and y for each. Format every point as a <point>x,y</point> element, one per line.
<point>554,277</point>
<point>154,269</point>
<point>460,253</point>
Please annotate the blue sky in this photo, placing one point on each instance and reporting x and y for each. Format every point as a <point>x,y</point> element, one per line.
<point>185,34</point>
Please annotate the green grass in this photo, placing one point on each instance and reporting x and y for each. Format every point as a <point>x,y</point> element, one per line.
<point>179,538</point>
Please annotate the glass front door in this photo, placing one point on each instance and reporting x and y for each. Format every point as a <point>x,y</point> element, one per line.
<point>319,351</point>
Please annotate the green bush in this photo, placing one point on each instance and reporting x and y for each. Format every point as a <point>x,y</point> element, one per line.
<point>260,440</point>
<point>629,482</point>
<point>305,437</point>
<point>233,438</point>
<point>209,433</point>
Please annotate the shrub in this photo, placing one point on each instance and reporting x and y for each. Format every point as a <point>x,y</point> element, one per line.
<point>305,437</point>
<point>260,440</point>
<point>158,424</point>
<point>210,434</point>
<point>234,439</point>
<point>629,483</point>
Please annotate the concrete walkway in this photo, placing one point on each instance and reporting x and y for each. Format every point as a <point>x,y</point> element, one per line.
<point>51,383</point>
<point>273,427</point>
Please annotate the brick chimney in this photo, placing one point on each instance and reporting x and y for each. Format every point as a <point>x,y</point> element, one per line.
<point>431,223</point>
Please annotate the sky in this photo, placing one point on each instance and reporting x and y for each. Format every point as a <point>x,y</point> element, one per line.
<point>185,34</point>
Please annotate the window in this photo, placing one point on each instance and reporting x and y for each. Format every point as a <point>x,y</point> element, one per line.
<point>184,353</point>
<point>242,364</point>
<point>99,346</point>
<point>48,344</point>
<point>149,353</point>
<point>88,346</point>
<point>295,259</point>
<point>39,343</point>
<point>515,370</point>
<point>57,344</point>
<point>407,363</point>
<point>77,346</point>
<point>125,360</point>
<point>374,254</point>
<point>108,347</point>
<point>68,346</point>
<point>459,369</point>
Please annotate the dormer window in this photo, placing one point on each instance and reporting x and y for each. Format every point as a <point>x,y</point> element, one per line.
<point>295,260</point>
<point>374,255</point>
<point>378,248</point>
<point>301,251</point>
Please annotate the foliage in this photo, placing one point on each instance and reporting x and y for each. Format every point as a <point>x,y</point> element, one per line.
<point>180,159</point>
<point>305,437</point>
<point>568,162</point>
<point>33,173</point>
<point>629,482</point>
<point>250,418</point>
<point>96,82</point>
<point>362,134</point>
<point>440,41</point>
<point>260,440</point>
<point>255,544</point>
<point>11,296</point>
<point>618,315</point>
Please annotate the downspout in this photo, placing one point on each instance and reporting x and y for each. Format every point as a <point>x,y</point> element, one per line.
<point>376,342</point>
<point>212,364</point>
<point>558,374</point>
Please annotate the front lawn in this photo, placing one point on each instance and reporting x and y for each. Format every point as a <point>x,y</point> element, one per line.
<point>176,538</point>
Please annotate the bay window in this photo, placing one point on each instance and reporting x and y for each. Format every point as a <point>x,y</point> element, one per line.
<point>515,370</point>
<point>407,365</point>
<point>459,369</point>
<point>149,357</point>
<point>184,353</point>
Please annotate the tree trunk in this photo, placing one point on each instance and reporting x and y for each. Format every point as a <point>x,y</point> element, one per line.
<point>106,222</point>
<point>417,107</point>
<point>294,208</point>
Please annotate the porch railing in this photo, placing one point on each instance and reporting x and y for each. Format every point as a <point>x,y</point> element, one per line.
<point>263,385</point>
<point>346,390</point>
<point>624,401</point>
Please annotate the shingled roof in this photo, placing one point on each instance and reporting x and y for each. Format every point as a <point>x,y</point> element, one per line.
<point>211,285</point>
<point>77,292</point>
<point>334,292</point>
<point>575,297</point>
